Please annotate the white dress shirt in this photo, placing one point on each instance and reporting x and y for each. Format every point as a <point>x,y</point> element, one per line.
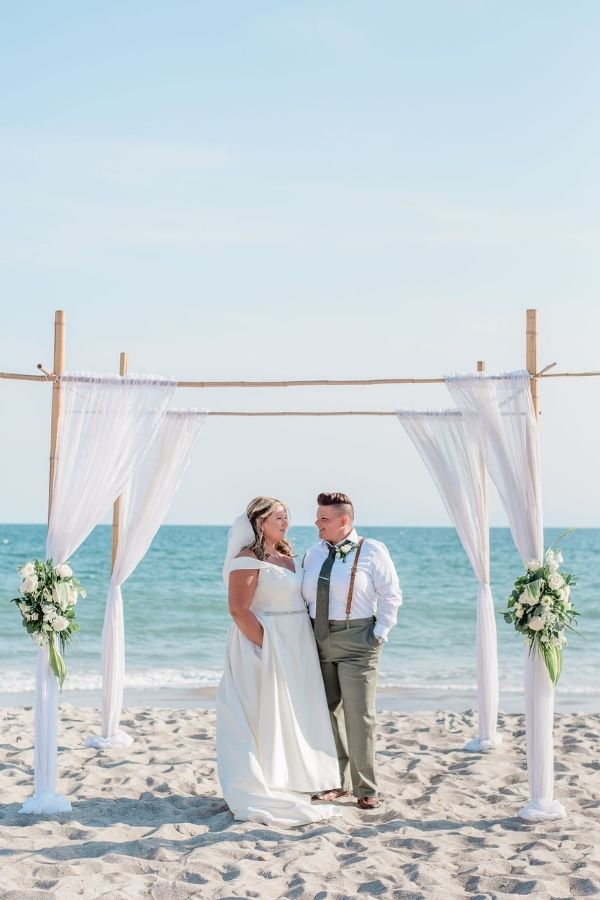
<point>376,588</point>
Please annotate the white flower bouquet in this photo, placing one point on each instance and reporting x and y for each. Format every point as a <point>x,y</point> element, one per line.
<point>47,606</point>
<point>540,609</point>
<point>342,551</point>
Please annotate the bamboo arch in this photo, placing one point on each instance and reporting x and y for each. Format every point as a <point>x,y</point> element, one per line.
<point>59,366</point>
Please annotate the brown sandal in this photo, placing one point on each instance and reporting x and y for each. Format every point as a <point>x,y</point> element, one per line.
<point>367,803</point>
<point>334,794</point>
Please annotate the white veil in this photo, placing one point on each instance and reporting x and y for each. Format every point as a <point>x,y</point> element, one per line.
<point>241,534</point>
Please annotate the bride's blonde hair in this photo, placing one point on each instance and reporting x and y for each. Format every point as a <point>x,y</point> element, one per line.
<point>257,511</point>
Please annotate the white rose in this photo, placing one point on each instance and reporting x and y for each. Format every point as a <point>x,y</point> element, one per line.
<point>63,570</point>
<point>72,597</point>
<point>49,613</point>
<point>60,623</point>
<point>518,610</point>
<point>566,603</point>
<point>27,569</point>
<point>532,565</point>
<point>555,581</point>
<point>34,617</point>
<point>29,584</point>
<point>559,557</point>
<point>536,623</point>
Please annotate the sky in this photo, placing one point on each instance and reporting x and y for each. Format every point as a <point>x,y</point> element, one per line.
<point>287,190</point>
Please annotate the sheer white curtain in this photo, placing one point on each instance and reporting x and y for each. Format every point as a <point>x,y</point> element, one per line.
<point>105,425</point>
<point>502,407</point>
<point>454,457</point>
<point>142,509</point>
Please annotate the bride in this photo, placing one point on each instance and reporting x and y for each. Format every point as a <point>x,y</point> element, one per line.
<point>275,745</point>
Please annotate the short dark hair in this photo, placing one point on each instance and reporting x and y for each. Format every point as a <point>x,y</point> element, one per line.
<point>342,501</point>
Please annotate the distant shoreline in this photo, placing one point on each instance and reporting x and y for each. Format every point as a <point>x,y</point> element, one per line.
<point>388,699</point>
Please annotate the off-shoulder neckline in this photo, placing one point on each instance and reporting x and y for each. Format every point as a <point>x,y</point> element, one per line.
<point>263,562</point>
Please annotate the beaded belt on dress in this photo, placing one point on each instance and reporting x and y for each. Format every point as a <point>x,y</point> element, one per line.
<point>283,612</point>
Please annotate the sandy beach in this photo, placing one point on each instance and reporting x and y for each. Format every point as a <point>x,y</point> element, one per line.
<point>149,821</point>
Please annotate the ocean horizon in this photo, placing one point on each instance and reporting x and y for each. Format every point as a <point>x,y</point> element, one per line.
<point>176,618</point>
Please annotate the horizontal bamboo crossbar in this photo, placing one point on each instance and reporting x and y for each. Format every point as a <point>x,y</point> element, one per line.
<point>14,376</point>
<point>568,375</point>
<point>312,383</point>
<point>321,382</point>
<point>344,412</point>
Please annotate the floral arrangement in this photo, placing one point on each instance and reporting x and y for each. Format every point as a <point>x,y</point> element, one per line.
<point>47,607</point>
<point>540,609</point>
<point>344,549</point>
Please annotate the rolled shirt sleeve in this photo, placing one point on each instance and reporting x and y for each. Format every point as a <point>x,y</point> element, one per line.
<point>387,588</point>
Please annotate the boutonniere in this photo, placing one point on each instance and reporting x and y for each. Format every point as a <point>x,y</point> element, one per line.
<point>344,549</point>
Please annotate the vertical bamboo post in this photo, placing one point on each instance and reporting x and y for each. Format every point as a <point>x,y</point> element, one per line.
<point>480,365</point>
<point>60,350</point>
<point>117,503</point>
<point>531,356</point>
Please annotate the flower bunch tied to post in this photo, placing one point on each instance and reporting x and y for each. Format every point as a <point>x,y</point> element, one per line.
<point>540,609</point>
<point>48,596</point>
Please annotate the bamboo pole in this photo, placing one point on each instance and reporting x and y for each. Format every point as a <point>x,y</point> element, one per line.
<point>14,376</point>
<point>60,350</point>
<point>359,412</point>
<point>531,355</point>
<point>117,503</point>
<point>321,382</point>
<point>568,375</point>
<point>17,376</point>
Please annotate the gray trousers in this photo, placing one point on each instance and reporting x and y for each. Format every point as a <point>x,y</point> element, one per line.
<point>349,659</point>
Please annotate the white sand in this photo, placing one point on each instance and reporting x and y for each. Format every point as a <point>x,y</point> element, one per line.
<point>149,821</point>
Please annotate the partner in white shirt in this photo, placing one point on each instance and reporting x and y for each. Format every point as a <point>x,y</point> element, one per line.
<point>352,618</point>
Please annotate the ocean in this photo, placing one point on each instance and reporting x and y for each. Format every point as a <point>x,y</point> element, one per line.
<point>176,618</point>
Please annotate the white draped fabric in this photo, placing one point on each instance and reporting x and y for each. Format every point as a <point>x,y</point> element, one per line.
<point>502,407</point>
<point>142,509</point>
<point>105,425</point>
<point>454,458</point>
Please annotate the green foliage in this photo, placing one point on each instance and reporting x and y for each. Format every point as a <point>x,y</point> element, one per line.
<point>553,657</point>
<point>57,663</point>
<point>542,614</point>
<point>47,607</point>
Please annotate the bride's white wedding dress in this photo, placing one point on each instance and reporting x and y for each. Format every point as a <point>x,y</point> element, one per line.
<point>275,745</point>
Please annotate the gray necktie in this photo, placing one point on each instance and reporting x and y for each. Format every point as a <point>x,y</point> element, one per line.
<point>322,611</point>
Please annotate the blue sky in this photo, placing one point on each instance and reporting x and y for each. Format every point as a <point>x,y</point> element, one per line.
<point>289,190</point>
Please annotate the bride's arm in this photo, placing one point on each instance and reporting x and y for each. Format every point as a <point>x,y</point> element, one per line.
<point>242,585</point>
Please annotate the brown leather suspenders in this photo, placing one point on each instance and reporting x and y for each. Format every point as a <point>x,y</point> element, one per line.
<point>352,577</point>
